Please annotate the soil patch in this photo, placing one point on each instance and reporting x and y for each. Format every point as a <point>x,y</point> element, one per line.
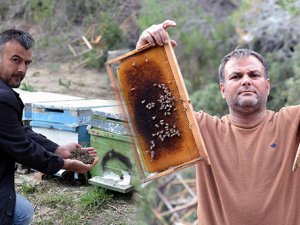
<point>57,201</point>
<point>60,78</point>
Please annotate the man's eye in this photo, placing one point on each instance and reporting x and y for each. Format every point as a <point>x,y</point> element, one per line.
<point>18,61</point>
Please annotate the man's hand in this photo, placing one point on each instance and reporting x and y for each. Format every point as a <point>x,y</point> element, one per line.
<point>65,151</point>
<point>78,166</point>
<point>156,35</point>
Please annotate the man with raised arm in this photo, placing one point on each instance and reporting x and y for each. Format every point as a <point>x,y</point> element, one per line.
<point>251,150</point>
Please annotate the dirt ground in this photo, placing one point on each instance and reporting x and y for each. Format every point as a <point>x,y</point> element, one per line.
<point>61,78</point>
<point>90,84</point>
<point>57,202</point>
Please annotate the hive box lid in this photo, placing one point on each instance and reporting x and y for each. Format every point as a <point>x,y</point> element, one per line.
<point>73,112</point>
<point>31,97</point>
<point>110,119</point>
<point>112,112</point>
<point>75,105</point>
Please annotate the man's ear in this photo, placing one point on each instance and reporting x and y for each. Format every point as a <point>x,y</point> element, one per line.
<point>268,83</point>
<point>222,89</point>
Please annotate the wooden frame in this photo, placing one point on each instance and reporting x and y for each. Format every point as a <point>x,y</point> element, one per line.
<point>134,76</point>
<point>175,200</point>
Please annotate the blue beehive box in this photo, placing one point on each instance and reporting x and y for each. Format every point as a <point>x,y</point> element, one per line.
<point>66,121</point>
<point>30,98</point>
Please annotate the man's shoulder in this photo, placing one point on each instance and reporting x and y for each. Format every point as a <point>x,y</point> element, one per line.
<point>292,108</point>
<point>205,117</point>
<point>288,112</point>
<point>6,93</point>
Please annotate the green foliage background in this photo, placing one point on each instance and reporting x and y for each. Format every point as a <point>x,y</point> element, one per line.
<point>205,32</point>
<point>204,37</point>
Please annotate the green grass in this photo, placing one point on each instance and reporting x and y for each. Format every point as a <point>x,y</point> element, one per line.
<point>27,189</point>
<point>95,198</point>
<point>62,199</point>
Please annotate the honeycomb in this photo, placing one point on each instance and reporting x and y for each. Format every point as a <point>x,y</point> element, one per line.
<point>158,108</point>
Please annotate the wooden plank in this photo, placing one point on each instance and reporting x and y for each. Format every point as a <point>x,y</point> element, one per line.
<point>110,184</point>
<point>167,203</point>
<point>153,176</point>
<point>187,187</point>
<point>192,203</point>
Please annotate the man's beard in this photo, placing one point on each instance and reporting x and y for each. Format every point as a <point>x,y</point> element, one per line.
<point>242,105</point>
<point>15,81</point>
<point>254,101</point>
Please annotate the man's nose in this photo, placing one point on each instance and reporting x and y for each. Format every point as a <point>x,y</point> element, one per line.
<point>22,67</point>
<point>246,80</point>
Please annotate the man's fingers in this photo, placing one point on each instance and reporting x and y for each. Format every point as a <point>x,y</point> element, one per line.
<point>156,34</point>
<point>149,38</point>
<point>96,160</point>
<point>173,43</point>
<point>168,23</point>
<point>91,151</point>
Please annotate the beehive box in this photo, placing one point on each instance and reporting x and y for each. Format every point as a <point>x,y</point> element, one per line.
<point>110,119</point>
<point>29,98</point>
<point>72,113</point>
<point>114,151</point>
<point>109,136</point>
<point>65,121</point>
<point>149,84</point>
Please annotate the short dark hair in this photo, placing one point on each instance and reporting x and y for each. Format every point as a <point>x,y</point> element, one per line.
<point>22,37</point>
<point>239,53</point>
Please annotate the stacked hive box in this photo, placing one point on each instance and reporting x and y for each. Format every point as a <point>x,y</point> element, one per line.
<point>65,121</point>
<point>109,135</point>
<point>29,98</point>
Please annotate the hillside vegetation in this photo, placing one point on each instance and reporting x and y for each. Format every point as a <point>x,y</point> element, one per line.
<point>206,30</point>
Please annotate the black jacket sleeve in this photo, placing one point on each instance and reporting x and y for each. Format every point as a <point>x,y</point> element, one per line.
<point>15,141</point>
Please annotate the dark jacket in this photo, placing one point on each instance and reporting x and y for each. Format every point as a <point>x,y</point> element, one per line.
<point>19,144</point>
